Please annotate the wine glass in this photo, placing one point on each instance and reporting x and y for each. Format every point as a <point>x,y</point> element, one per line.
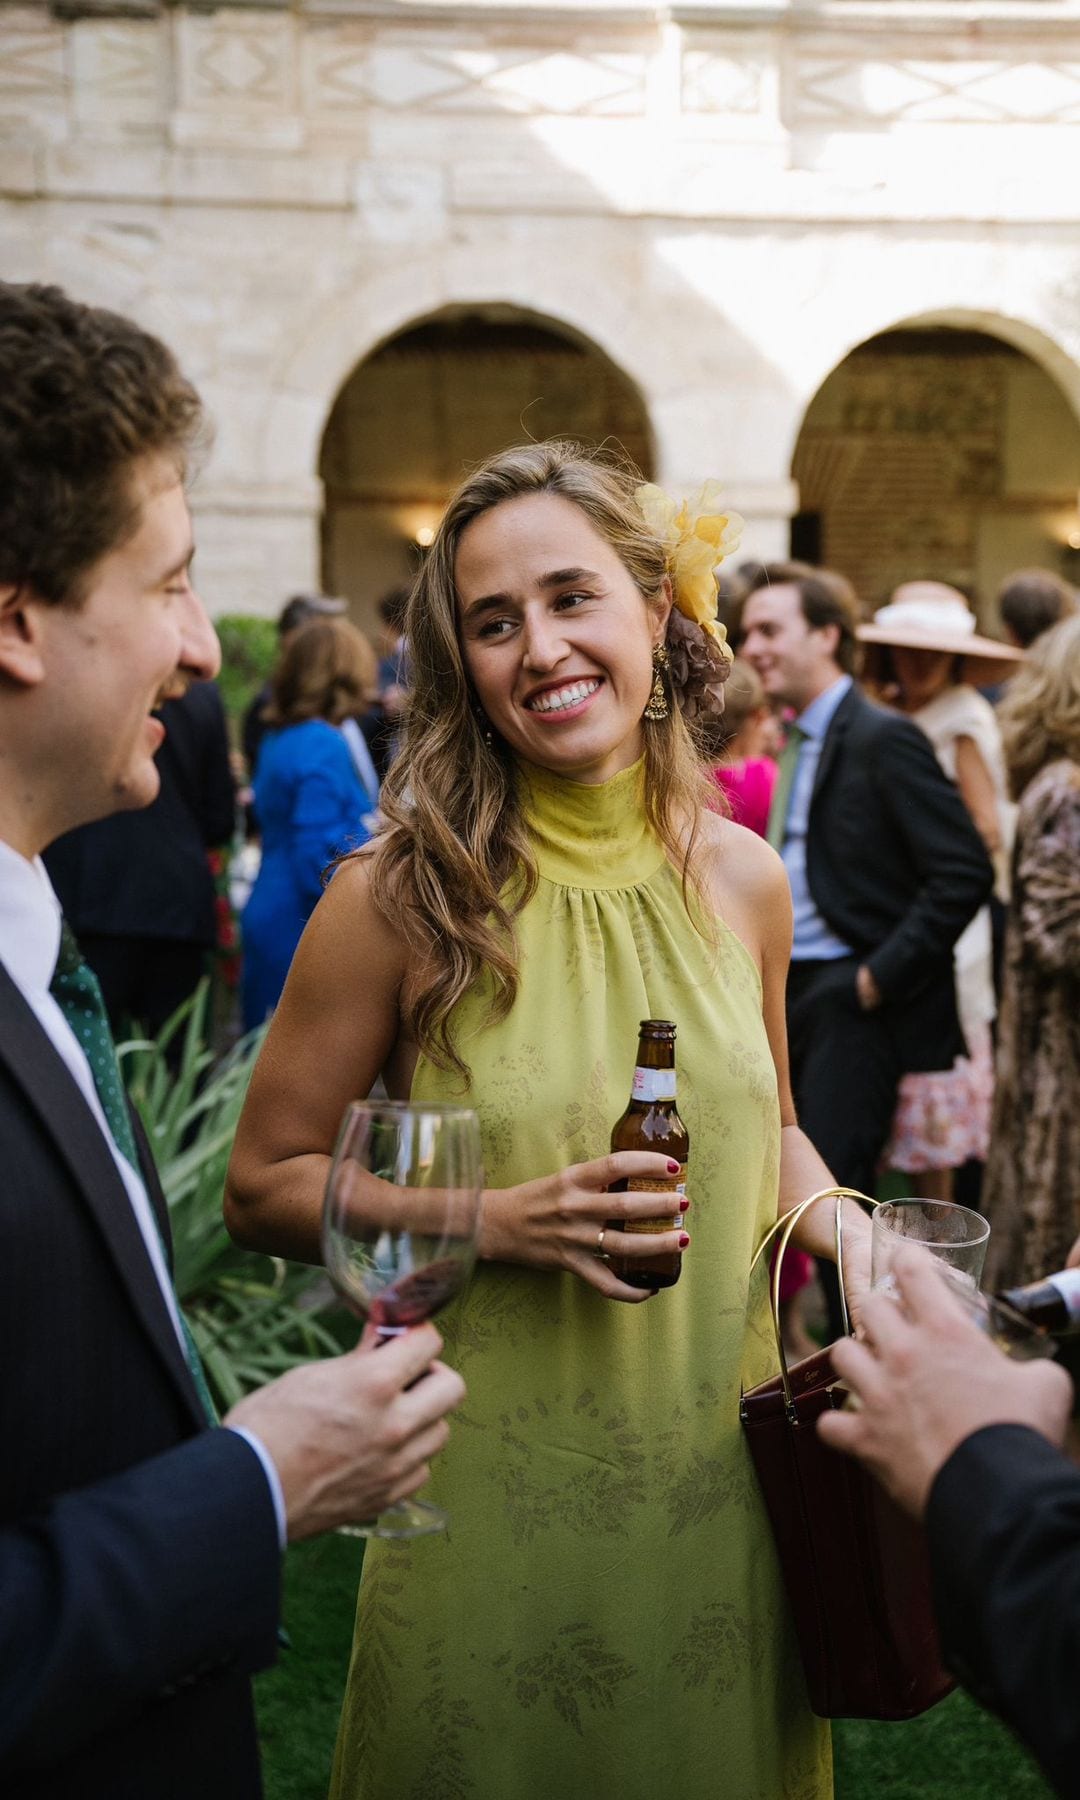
<point>399,1230</point>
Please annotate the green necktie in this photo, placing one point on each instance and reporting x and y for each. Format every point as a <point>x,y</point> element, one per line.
<point>781,800</point>
<point>76,990</point>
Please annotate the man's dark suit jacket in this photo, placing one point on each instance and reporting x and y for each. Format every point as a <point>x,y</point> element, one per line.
<point>139,1565</point>
<point>1004,1531</point>
<point>145,873</point>
<point>896,868</point>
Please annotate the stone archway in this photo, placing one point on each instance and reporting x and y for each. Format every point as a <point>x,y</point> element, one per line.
<point>938,449</point>
<point>434,399</point>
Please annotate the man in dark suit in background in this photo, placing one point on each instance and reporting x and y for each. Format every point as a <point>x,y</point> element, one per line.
<point>886,869</point>
<point>969,1442</point>
<point>139,1548</point>
<point>136,888</point>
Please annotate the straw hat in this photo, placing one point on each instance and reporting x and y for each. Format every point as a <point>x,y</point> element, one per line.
<point>929,615</point>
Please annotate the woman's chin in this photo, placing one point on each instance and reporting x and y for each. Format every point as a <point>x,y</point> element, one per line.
<point>587,763</point>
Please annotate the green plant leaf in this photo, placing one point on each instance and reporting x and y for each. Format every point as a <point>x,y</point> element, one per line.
<point>252,1316</point>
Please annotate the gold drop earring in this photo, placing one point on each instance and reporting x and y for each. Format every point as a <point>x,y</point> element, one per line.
<point>658,701</point>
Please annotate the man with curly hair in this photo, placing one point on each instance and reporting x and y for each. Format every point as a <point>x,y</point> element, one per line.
<point>139,1547</point>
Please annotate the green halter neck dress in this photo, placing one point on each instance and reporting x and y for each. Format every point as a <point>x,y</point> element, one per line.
<point>604,1616</point>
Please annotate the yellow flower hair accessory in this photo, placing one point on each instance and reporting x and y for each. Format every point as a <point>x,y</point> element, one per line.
<point>698,534</point>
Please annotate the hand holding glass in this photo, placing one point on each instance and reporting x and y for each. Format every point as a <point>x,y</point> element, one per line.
<point>954,1236</point>
<point>957,1239</point>
<point>400,1223</point>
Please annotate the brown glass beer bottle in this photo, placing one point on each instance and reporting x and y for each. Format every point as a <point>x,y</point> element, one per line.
<point>652,1122</point>
<point>1053,1303</point>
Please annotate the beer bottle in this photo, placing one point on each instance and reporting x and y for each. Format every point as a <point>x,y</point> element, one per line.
<point>652,1122</point>
<point>1053,1303</point>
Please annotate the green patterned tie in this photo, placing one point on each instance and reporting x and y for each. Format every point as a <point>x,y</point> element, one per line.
<point>77,992</point>
<point>781,800</point>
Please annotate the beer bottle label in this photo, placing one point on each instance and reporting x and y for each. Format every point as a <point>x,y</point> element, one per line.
<point>1066,1283</point>
<point>654,1084</point>
<point>652,1184</point>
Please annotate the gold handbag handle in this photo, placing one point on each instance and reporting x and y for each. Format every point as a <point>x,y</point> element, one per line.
<point>783,1228</point>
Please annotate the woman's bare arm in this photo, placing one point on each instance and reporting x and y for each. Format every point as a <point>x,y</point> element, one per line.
<point>334,1031</point>
<point>755,900</point>
<point>977,791</point>
<point>337,1026</point>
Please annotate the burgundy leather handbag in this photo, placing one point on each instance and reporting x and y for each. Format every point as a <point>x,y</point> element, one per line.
<point>855,1567</point>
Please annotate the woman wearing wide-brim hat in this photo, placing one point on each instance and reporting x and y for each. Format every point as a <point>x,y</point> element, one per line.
<point>932,617</point>
<point>922,654</point>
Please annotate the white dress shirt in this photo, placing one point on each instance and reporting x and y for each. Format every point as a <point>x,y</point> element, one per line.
<point>30,921</point>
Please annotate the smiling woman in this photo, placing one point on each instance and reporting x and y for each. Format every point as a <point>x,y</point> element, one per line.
<point>537,631</point>
<point>549,874</point>
<point>562,663</point>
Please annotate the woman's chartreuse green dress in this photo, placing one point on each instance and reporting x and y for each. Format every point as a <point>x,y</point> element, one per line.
<point>604,1616</point>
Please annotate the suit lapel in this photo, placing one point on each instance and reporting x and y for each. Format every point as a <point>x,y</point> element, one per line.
<point>834,737</point>
<point>155,1193</point>
<point>73,1131</point>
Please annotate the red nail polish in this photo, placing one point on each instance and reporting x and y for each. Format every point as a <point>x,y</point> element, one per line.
<point>683,1204</point>
<point>683,1241</point>
<point>673,1168</point>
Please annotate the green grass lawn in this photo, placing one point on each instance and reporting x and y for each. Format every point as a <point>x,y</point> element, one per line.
<point>298,1701</point>
<point>955,1751</point>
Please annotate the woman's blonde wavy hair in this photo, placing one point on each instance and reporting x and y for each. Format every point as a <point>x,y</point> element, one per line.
<point>454,865</point>
<point>1040,713</point>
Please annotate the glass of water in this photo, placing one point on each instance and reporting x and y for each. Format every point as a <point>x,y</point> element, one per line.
<point>954,1236</point>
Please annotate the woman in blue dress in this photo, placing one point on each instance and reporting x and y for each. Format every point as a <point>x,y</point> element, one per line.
<point>311,802</point>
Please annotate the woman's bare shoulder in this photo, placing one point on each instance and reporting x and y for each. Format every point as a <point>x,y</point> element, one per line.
<point>351,932</point>
<point>738,861</point>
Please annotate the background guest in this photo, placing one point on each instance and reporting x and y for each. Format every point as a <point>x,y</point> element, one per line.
<point>297,611</point>
<point>885,868</point>
<point>747,738</point>
<point>922,654</point>
<point>748,742</point>
<point>1032,1189</point>
<point>309,797</point>
<point>383,725</point>
<point>1033,601</point>
<point>136,888</point>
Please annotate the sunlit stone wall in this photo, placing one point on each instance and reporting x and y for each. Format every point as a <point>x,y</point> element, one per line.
<point>725,199</point>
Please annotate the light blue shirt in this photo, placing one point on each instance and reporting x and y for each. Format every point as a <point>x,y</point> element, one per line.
<point>813,940</point>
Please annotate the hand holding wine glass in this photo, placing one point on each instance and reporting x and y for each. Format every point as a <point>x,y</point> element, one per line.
<point>350,1435</point>
<point>399,1234</point>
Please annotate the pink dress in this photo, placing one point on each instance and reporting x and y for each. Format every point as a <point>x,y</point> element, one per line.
<point>749,786</point>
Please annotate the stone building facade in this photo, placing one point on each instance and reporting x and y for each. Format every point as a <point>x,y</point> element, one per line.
<point>713,204</point>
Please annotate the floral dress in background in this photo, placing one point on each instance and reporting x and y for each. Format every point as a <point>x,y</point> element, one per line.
<point>1031,1191</point>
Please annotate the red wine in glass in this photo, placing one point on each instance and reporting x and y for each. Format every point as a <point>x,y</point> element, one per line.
<point>399,1228</point>
<point>416,1297</point>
